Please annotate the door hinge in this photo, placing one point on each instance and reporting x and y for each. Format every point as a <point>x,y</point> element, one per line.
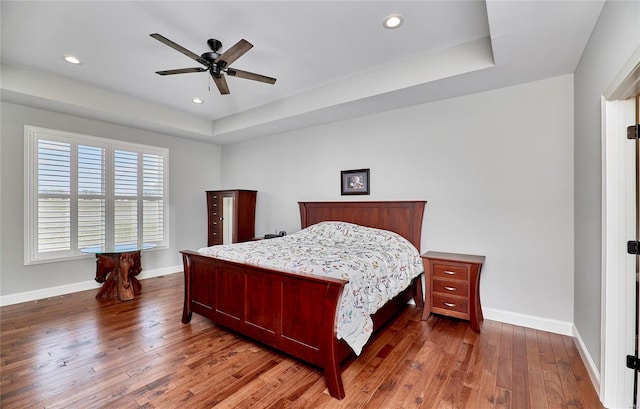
<point>633,247</point>
<point>633,131</point>
<point>633,362</point>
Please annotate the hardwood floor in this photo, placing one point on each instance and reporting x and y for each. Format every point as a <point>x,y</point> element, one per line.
<point>76,351</point>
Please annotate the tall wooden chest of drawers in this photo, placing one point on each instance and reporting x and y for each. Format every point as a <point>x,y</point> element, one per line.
<point>453,286</point>
<point>231,216</point>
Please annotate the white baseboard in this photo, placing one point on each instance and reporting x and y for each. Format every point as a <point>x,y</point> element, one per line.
<point>592,369</point>
<point>75,287</point>
<point>529,321</point>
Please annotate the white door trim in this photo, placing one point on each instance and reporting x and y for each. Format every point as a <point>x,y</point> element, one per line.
<point>618,279</point>
<point>618,216</point>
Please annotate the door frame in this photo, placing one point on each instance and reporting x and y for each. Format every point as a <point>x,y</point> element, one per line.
<point>618,216</point>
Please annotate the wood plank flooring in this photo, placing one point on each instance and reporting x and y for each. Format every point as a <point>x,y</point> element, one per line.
<point>76,351</point>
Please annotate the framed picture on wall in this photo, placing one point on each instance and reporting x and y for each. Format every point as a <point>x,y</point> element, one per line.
<point>354,182</point>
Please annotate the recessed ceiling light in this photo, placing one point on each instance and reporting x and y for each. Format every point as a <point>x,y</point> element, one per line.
<point>393,21</point>
<point>71,59</point>
<point>197,101</point>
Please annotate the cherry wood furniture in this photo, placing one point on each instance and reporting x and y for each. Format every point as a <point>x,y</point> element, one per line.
<point>453,286</point>
<point>231,216</point>
<point>296,313</point>
<point>117,267</point>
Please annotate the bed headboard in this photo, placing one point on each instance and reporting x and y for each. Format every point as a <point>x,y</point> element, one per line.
<point>402,217</point>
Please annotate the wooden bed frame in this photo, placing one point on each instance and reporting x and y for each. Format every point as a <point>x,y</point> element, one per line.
<point>296,313</point>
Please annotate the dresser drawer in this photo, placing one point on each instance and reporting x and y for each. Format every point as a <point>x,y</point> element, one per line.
<point>460,288</point>
<point>450,271</point>
<point>216,224</point>
<point>215,233</point>
<point>450,303</point>
<point>215,240</point>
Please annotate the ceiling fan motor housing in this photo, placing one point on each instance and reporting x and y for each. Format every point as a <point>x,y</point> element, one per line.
<point>210,56</point>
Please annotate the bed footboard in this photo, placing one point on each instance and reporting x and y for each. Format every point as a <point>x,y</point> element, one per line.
<point>293,313</point>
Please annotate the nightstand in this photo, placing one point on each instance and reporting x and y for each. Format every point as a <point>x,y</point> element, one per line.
<point>453,286</point>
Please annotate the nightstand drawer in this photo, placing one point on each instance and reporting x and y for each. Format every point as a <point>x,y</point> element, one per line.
<point>460,288</point>
<point>451,303</point>
<point>450,271</point>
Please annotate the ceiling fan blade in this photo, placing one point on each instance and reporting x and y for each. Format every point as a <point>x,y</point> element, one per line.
<point>235,52</point>
<point>221,83</point>
<point>180,48</point>
<point>250,76</point>
<point>181,71</point>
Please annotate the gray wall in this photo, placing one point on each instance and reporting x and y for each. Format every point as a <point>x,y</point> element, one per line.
<point>496,168</point>
<point>613,41</point>
<point>193,166</point>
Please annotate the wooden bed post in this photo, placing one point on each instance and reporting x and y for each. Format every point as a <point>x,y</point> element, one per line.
<point>331,366</point>
<point>333,377</point>
<point>186,309</point>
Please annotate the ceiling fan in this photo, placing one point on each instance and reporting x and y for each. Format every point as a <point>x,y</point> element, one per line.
<point>215,63</point>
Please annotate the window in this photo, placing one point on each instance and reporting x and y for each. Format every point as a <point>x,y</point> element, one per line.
<point>84,191</point>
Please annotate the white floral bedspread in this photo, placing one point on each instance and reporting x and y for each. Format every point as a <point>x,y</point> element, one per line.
<point>378,264</point>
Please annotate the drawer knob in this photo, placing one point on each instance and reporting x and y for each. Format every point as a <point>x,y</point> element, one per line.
<point>449,304</point>
<point>449,288</point>
<point>451,273</point>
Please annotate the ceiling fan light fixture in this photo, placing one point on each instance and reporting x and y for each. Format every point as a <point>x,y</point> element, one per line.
<point>197,101</point>
<point>71,59</point>
<point>393,21</point>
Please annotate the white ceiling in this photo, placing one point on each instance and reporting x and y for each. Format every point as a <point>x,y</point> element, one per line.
<point>332,59</point>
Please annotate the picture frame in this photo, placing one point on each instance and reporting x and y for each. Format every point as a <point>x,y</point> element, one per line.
<point>355,182</point>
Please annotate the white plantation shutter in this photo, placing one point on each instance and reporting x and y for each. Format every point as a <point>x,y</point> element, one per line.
<point>54,196</point>
<point>126,197</point>
<point>153,197</point>
<point>84,191</point>
<point>91,196</point>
